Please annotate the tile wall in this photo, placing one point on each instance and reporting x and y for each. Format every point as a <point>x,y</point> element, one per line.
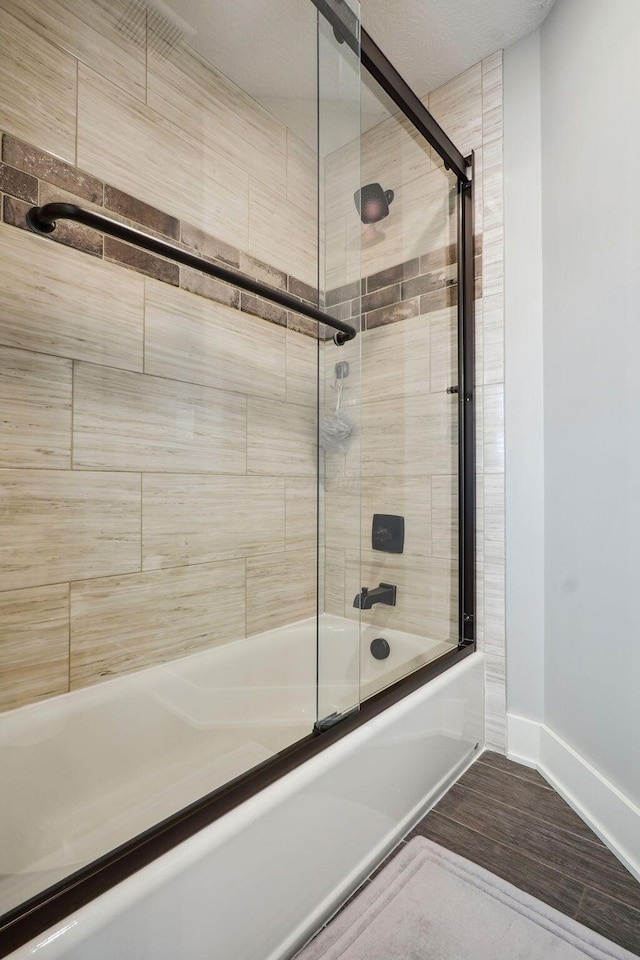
<point>158,437</point>
<point>408,356</point>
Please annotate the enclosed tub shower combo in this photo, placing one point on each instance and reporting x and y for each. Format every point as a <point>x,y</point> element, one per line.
<point>238,473</point>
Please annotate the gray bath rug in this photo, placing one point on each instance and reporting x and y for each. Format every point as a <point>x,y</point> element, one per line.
<point>430,904</point>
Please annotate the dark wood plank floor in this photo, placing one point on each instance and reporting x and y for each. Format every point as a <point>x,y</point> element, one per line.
<point>507,818</point>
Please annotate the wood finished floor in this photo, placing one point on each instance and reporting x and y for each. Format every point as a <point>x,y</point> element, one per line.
<point>506,818</point>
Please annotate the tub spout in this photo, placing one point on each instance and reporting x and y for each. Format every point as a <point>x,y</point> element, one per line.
<point>385,593</point>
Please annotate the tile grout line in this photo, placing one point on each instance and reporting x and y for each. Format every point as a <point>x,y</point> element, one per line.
<point>527,813</point>
<point>529,856</point>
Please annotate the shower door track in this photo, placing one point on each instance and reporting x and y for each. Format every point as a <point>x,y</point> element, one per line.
<point>35,916</point>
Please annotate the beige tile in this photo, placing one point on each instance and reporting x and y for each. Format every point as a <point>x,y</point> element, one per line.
<point>396,359</point>
<point>281,234</point>
<point>281,438</point>
<point>414,436</point>
<point>302,176</point>
<point>422,220</point>
<point>281,589</point>
<point>35,396</point>
<point>494,339</point>
<point>479,430</point>
<point>104,34</point>
<point>301,516</point>
<point>58,301</point>
<point>493,519</point>
<point>131,421</point>
<point>493,263</point>
<point>302,369</point>
<point>457,106</point>
<point>478,308</point>
<point>120,624</point>
<point>444,515</point>
<point>133,148</point>
<point>408,497</point>
<point>495,702</point>
<point>341,177</point>
<point>334,582</point>
<point>427,597</point>
<point>493,186</point>
<point>196,340</point>
<point>494,608</point>
<point>494,429</point>
<point>479,572</point>
<point>492,97</point>
<point>334,251</point>
<point>61,525</point>
<point>34,645</point>
<point>190,93</point>
<point>394,152</point>
<point>342,513</point>
<point>479,519</point>
<point>478,193</point>
<point>444,349</point>
<point>198,519</point>
<point>38,83</point>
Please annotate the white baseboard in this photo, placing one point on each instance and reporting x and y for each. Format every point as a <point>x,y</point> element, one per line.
<point>610,814</point>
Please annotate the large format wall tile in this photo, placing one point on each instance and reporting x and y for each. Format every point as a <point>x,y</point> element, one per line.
<point>457,105</point>
<point>61,525</point>
<point>302,176</point>
<point>280,234</point>
<point>107,35</point>
<point>281,438</point>
<point>427,599</point>
<point>131,421</point>
<point>193,339</point>
<point>34,644</point>
<point>204,103</point>
<point>58,301</point>
<point>301,515</point>
<point>444,507</point>
<point>35,397</point>
<point>409,497</point>
<point>395,359</point>
<point>302,369</point>
<point>119,624</point>
<point>131,147</point>
<point>280,589</point>
<point>197,519</point>
<point>412,436</point>
<point>38,83</point>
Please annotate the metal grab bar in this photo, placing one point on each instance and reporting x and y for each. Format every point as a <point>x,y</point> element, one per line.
<point>43,220</point>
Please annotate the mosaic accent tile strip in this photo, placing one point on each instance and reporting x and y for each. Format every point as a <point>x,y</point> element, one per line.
<point>420,285</point>
<point>29,175</point>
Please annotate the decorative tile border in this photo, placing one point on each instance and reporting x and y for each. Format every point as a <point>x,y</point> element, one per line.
<point>418,286</point>
<point>30,176</point>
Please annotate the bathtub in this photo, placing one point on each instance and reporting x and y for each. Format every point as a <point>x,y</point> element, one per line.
<point>257,882</point>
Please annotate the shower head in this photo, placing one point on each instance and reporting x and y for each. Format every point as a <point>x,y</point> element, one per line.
<point>372,202</point>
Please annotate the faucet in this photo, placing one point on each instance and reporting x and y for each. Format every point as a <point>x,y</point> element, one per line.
<point>385,593</point>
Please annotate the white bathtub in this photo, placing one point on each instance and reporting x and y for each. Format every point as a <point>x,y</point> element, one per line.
<point>259,880</point>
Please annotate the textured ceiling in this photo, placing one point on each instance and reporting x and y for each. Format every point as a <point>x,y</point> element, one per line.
<point>431,41</point>
<point>269,48</point>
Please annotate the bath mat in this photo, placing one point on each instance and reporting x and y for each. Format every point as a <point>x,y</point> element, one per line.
<point>431,904</point>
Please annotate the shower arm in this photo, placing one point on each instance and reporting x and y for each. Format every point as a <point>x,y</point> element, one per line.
<point>43,220</point>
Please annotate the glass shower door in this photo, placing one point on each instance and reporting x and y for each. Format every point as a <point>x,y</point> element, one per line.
<point>339,430</point>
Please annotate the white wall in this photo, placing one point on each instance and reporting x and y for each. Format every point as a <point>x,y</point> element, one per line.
<point>591,268</point>
<point>524,461</point>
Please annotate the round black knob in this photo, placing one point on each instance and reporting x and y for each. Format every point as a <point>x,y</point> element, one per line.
<point>380,648</point>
